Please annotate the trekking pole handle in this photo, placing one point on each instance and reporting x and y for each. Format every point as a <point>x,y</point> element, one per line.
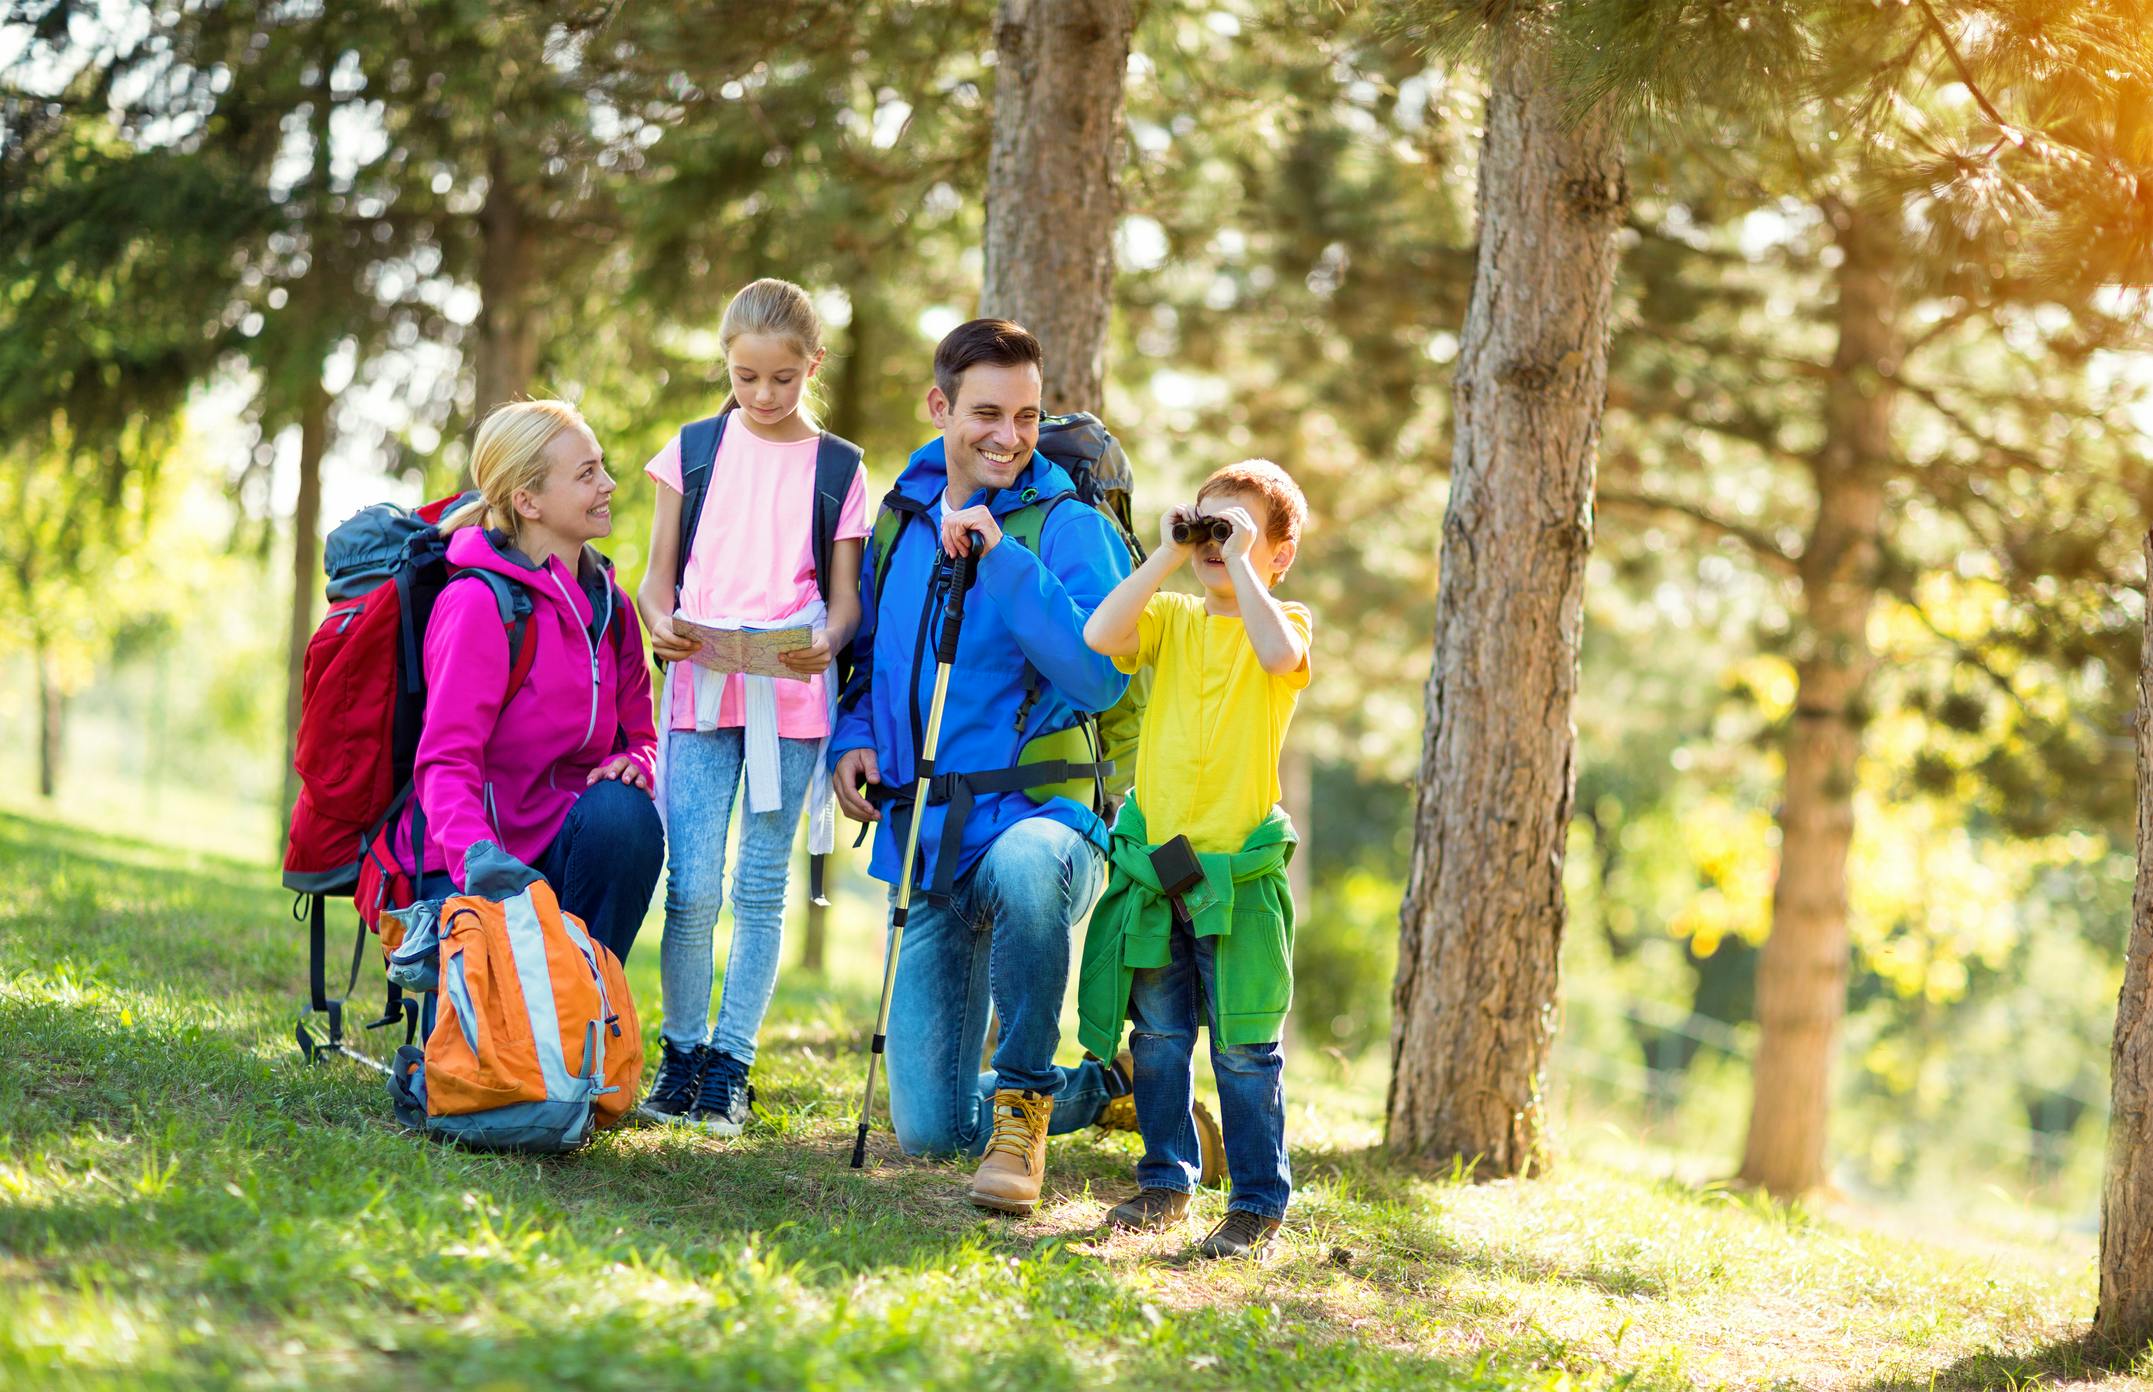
<point>953,616</point>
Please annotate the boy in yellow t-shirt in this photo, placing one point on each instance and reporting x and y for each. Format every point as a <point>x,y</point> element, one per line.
<point>1229,667</point>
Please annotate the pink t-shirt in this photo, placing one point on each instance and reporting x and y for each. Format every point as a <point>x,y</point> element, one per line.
<point>754,559</point>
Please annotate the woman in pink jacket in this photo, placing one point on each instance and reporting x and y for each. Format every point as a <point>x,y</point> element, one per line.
<point>558,771</point>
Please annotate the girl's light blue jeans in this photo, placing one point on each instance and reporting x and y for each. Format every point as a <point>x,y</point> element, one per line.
<point>704,774</point>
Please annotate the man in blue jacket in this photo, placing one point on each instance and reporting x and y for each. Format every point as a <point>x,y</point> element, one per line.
<point>1004,871</point>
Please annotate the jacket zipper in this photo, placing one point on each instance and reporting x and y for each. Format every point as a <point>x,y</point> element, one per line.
<point>590,727</point>
<point>493,814</point>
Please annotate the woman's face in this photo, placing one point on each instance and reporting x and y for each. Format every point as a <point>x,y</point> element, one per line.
<point>576,501</point>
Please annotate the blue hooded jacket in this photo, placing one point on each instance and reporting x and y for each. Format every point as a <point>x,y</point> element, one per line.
<point>1023,611</point>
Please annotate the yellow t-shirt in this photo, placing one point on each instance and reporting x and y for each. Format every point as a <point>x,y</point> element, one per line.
<point>1207,753</point>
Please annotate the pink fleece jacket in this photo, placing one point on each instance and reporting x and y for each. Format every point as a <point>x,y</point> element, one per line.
<point>508,771</point>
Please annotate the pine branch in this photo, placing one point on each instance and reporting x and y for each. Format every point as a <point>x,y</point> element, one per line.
<point>1770,552</point>
<point>1966,76</point>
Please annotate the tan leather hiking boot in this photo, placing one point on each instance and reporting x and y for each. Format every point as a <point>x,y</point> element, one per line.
<point>1119,1113</point>
<point>1008,1177</point>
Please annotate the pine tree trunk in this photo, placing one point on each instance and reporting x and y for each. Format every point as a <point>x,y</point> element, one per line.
<point>1051,192</point>
<point>51,717</point>
<point>2125,1316</point>
<point>306,567</point>
<point>1802,971</point>
<point>856,371</point>
<point>1482,922</point>
<point>507,356</point>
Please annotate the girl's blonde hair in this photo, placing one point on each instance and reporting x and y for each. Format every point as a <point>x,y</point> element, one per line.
<point>775,309</point>
<point>510,454</point>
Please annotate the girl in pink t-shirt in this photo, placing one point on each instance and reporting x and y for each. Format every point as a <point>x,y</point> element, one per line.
<point>750,564</point>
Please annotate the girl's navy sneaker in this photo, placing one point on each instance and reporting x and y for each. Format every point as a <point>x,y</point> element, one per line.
<point>673,1091</point>
<point>723,1101</point>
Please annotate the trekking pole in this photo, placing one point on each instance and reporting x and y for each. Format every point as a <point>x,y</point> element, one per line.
<point>945,654</point>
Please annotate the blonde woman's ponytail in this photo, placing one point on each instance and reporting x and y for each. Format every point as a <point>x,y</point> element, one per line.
<point>510,454</point>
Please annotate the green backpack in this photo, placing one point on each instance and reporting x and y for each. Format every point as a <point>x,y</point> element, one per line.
<point>1096,464</point>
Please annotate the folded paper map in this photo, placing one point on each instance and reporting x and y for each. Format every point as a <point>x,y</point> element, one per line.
<point>750,650</point>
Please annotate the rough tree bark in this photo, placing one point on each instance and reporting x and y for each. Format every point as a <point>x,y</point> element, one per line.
<point>1802,971</point>
<point>51,716</point>
<point>508,325</point>
<point>2125,1316</point>
<point>306,567</point>
<point>1051,191</point>
<point>1481,925</point>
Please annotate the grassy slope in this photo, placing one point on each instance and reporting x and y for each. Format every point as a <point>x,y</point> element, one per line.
<point>183,1203</point>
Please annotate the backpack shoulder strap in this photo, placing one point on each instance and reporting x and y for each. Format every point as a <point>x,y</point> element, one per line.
<point>513,602</point>
<point>1028,524</point>
<point>699,441</point>
<point>837,460</point>
<point>897,509</point>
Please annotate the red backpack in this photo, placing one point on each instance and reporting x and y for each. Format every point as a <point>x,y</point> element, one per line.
<point>362,701</point>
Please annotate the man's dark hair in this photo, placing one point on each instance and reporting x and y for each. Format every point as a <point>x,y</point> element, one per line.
<point>995,342</point>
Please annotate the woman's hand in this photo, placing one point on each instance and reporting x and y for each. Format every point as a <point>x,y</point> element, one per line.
<point>665,643</point>
<point>622,769</point>
<point>813,658</point>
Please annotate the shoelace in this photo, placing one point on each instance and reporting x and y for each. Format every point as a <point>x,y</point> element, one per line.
<point>1241,1226</point>
<point>1012,1134</point>
<point>722,1077</point>
<point>676,1078</point>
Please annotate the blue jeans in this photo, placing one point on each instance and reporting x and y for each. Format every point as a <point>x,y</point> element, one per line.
<point>704,774</point>
<point>602,864</point>
<point>1003,936</point>
<point>1165,1004</point>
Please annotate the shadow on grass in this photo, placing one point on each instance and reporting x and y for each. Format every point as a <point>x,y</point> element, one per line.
<point>187,1154</point>
<point>2080,1358</point>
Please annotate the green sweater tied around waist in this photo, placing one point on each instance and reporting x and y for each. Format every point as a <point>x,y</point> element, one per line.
<point>1243,903</point>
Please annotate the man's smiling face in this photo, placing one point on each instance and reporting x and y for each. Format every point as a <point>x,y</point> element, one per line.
<point>989,429</point>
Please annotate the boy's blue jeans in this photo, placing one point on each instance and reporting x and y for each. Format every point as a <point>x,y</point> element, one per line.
<point>703,778</point>
<point>1004,937</point>
<point>1165,1004</point>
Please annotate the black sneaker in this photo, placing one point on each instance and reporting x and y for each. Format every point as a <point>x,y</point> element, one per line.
<point>723,1102</point>
<point>1239,1234</point>
<point>672,1092</point>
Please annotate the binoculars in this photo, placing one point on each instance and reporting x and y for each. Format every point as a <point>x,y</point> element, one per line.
<point>1199,530</point>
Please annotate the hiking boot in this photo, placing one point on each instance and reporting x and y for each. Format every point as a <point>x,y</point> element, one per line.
<point>1149,1210</point>
<point>1239,1234</point>
<point>1210,1147</point>
<point>1007,1180</point>
<point>672,1092</point>
<point>724,1101</point>
<point>1119,1113</point>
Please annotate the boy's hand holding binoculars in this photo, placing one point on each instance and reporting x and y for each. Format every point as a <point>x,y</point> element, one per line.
<point>1184,529</point>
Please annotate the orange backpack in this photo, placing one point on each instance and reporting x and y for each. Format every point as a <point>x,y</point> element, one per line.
<point>535,1042</point>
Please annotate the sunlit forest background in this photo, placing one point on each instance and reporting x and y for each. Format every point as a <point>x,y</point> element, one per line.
<point>1293,257</point>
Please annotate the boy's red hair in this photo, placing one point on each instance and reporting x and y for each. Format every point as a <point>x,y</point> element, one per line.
<point>1281,496</point>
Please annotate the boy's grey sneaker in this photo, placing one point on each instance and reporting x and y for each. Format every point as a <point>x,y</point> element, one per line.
<point>1149,1210</point>
<point>672,1092</point>
<point>1239,1234</point>
<point>722,1104</point>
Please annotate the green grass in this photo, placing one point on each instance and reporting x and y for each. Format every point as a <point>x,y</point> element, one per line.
<point>184,1203</point>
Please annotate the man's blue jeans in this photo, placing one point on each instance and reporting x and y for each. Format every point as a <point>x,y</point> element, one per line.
<point>1004,936</point>
<point>1165,1004</point>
